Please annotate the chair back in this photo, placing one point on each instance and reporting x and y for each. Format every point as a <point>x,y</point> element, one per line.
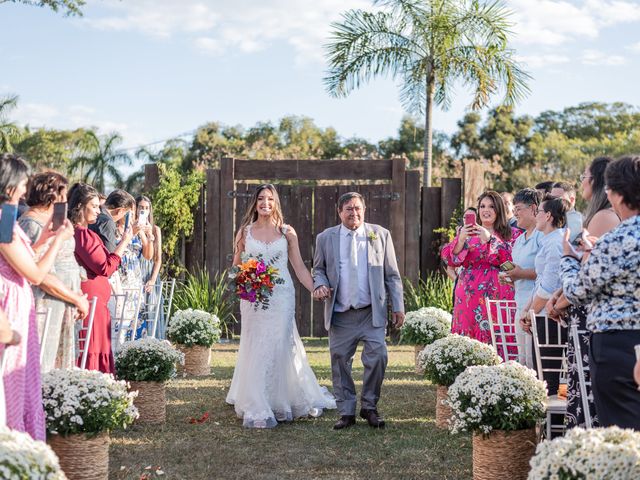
<point>582,381</point>
<point>152,309</point>
<point>124,320</point>
<point>43,318</point>
<point>506,338</point>
<point>84,334</point>
<point>549,349</point>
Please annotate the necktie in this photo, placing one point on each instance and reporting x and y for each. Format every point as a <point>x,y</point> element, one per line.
<point>353,270</point>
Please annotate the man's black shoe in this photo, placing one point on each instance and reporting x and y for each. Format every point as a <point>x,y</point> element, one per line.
<point>345,422</point>
<point>372,417</point>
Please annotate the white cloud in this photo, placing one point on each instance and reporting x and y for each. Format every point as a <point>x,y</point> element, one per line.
<point>634,48</point>
<point>543,60</point>
<point>598,58</point>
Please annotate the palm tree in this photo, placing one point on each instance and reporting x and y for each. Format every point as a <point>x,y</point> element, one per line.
<point>427,45</point>
<point>100,160</point>
<point>9,131</point>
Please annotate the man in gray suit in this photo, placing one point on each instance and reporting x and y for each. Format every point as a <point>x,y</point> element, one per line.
<point>354,269</point>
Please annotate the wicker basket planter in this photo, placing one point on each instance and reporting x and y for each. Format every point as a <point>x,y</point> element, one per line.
<point>151,401</point>
<point>503,455</point>
<point>82,457</point>
<point>196,360</point>
<point>443,411</point>
<point>418,349</point>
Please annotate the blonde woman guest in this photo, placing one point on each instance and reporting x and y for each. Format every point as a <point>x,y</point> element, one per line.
<point>60,290</point>
<point>272,381</point>
<point>600,218</point>
<point>18,271</point>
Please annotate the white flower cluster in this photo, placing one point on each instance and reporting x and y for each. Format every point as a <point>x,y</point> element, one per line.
<point>141,346</point>
<point>23,457</point>
<point>507,396</point>
<point>592,454</point>
<point>446,358</point>
<point>194,327</point>
<point>147,359</point>
<point>77,400</point>
<point>424,326</point>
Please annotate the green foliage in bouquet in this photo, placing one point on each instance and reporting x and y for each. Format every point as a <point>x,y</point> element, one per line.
<point>199,291</point>
<point>147,360</point>
<point>193,328</point>
<point>448,357</point>
<point>23,458</point>
<point>85,401</point>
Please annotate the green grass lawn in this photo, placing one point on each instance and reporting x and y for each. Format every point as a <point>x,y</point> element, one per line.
<point>410,447</point>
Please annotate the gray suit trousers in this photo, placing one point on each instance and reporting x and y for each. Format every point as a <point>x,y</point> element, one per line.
<point>347,330</point>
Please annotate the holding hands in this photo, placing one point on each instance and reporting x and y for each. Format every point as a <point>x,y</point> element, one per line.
<point>322,293</point>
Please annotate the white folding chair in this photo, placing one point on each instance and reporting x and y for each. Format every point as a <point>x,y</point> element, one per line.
<point>168,289</point>
<point>582,381</point>
<point>83,342</point>
<point>550,349</point>
<point>505,336</point>
<point>43,318</point>
<point>153,308</point>
<point>124,319</point>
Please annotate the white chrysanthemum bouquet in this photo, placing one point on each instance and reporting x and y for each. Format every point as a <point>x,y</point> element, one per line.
<point>23,457</point>
<point>507,397</point>
<point>426,325</point>
<point>85,401</point>
<point>194,328</point>
<point>592,454</point>
<point>147,360</point>
<point>446,358</point>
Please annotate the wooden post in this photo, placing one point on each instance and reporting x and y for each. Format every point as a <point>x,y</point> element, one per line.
<point>396,210</point>
<point>412,226</point>
<point>212,222</point>
<point>227,211</point>
<point>151,177</point>
<point>451,196</point>
<point>194,246</point>
<point>431,219</point>
<point>474,181</point>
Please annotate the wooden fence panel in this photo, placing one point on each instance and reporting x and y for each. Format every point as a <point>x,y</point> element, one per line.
<point>431,219</point>
<point>194,246</point>
<point>412,226</point>
<point>212,223</point>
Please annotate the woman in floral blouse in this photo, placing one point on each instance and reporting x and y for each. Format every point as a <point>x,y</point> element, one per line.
<point>480,249</point>
<point>608,283</point>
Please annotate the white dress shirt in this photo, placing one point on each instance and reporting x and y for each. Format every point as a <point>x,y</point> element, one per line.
<point>343,302</point>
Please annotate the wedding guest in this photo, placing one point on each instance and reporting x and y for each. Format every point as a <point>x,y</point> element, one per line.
<point>544,188</point>
<point>480,249</point>
<point>8,336</point>
<point>99,264</point>
<point>525,249</point>
<point>599,219</point>
<point>507,197</point>
<point>608,283</point>
<point>60,289</point>
<point>636,373</point>
<point>574,218</point>
<point>115,207</point>
<point>18,271</point>
<point>151,267</point>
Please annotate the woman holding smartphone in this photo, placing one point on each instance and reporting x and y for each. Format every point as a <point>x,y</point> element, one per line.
<point>18,271</point>
<point>480,247</point>
<point>60,290</point>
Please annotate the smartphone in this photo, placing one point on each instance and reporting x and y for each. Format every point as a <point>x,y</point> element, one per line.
<point>59,215</point>
<point>507,266</point>
<point>142,218</point>
<point>7,222</point>
<point>127,217</point>
<point>469,218</point>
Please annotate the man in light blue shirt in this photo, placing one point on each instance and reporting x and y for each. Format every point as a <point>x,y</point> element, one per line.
<point>574,218</point>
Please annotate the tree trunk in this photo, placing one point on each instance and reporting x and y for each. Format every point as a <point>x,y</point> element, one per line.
<point>428,134</point>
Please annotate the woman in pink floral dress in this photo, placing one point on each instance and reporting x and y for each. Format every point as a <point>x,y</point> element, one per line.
<point>480,249</point>
<point>18,270</point>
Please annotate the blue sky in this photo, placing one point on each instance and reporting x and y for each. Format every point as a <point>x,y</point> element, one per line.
<point>153,69</point>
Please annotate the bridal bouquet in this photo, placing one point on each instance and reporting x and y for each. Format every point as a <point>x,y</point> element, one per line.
<point>255,279</point>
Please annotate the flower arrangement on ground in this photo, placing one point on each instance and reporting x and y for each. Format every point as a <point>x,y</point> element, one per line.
<point>194,328</point>
<point>147,360</point>
<point>591,454</point>
<point>254,280</point>
<point>507,396</point>
<point>23,457</point>
<point>425,326</point>
<point>85,401</point>
<point>448,357</point>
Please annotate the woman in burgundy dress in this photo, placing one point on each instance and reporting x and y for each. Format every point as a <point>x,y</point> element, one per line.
<point>99,263</point>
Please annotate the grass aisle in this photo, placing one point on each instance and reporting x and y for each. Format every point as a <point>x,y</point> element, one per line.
<point>410,447</point>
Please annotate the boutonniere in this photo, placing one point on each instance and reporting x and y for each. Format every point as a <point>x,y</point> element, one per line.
<point>372,236</point>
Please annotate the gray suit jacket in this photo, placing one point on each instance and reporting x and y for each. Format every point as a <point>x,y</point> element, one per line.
<point>384,277</point>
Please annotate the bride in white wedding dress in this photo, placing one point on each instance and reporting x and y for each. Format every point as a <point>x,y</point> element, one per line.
<point>272,381</point>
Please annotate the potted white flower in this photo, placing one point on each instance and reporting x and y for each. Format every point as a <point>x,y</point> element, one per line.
<point>448,357</point>
<point>423,327</point>
<point>23,457</point>
<point>81,408</point>
<point>501,405</point>
<point>147,364</point>
<point>590,454</point>
<point>193,332</point>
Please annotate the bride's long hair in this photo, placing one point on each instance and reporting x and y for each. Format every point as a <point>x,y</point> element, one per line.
<point>251,215</point>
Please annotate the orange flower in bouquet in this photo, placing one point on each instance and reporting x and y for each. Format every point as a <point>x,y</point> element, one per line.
<point>254,280</point>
